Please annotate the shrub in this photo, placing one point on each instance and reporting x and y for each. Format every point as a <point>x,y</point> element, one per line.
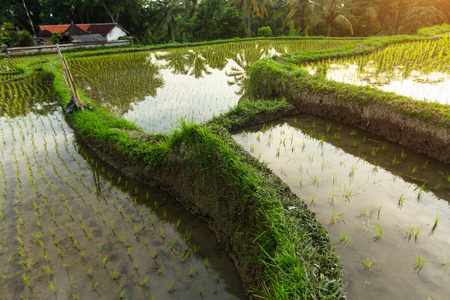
<point>25,39</point>
<point>265,31</point>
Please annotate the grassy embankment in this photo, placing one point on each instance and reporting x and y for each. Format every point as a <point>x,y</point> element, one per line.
<point>421,125</point>
<point>282,251</point>
<point>283,76</point>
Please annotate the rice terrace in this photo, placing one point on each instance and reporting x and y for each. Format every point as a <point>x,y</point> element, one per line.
<point>187,164</point>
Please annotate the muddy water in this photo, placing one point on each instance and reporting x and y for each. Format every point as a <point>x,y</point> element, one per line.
<point>386,208</point>
<point>72,227</point>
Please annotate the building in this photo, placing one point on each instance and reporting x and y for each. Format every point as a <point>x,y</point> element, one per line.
<point>82,33</point>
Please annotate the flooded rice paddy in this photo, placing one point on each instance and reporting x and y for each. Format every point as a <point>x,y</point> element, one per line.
<point>420,70</point>
<point>385,207</point>
<point>156,89</point>
<point>70,227</point>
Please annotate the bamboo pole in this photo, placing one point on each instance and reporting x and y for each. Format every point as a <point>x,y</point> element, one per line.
<point>69,80</point>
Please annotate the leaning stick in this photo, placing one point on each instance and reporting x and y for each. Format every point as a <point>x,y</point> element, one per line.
<point>69,80</point>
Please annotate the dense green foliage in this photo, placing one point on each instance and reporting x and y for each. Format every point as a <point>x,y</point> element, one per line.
<point>161,21</point>
<point>214,19</point>
<point>10,37</point>
<point>265,31</point>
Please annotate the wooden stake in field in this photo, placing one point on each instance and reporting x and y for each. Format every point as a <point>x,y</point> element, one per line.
<point>69,81</point>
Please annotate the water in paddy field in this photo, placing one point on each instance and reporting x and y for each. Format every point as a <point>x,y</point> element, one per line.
<point>386,208</point>
<point>70,227</point>
<point>420,70</point>
<point>156,89</point>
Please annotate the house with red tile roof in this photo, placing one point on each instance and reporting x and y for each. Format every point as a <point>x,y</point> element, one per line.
<point>97,32</point>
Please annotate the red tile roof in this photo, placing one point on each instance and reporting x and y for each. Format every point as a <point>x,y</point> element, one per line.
<point>54,28</point>
<point>100,28</point>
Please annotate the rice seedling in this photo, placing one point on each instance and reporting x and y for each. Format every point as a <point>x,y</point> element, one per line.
<point>379,233</point>
<point>414,231</point>
<point>47,269</point>
<point>419,261</point>
<point>93,286</point>
<point>367,263</point>
<point>27,282</point>
<point>347,193</point>
<point>160,270</point>
<point>170,287</point>
<point>52,287</point>
<point>122,294</point>
<point>438,185</point>
<point>185,256</point>
<point>401,201</point>
<point>345,239</point>
<point>403,155</point>
<point>394,161</point>
<point>314,179</point>
<point>435,224</point>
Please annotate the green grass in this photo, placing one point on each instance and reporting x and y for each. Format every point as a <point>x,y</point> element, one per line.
<point>271,79</point>
<point>290,250</point>
<point>290,255</point>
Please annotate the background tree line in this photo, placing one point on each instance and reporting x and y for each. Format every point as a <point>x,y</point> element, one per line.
<point>159,21</point>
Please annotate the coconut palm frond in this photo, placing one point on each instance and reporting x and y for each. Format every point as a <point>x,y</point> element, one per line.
<point>340,19</point>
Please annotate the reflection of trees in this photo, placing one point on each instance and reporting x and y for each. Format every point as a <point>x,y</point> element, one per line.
<point>116,81</point>
<point>176,61</point>
<point>244,60</point>
<point>184,62</point>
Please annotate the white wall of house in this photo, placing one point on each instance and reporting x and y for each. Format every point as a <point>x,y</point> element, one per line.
<point>115,34</point>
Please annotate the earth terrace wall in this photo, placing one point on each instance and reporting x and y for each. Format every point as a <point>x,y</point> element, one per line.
<point>279,248</point>
<point>64,47</point>
<point>421,126</point>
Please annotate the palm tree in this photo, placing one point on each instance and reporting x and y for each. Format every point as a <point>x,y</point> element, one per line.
<point>296,16</point>
<point>251,8</point>
<point>330,11</point>
<point>169,11</point>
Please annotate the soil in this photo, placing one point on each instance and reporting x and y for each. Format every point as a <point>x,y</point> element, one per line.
<point>420,135</point>
<point>381,120</point>
<point>261,119</point>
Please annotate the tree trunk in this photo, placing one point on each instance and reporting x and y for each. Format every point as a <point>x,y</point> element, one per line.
<point>248,25</point>
<point>28,15</point>
<point>172,31</point>
<point>329,29</point>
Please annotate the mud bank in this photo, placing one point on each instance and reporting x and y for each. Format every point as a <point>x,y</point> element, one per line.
<point>423,127</point>
<point>279,248</point>
<point>209,182</point>
<point>209,197</point>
